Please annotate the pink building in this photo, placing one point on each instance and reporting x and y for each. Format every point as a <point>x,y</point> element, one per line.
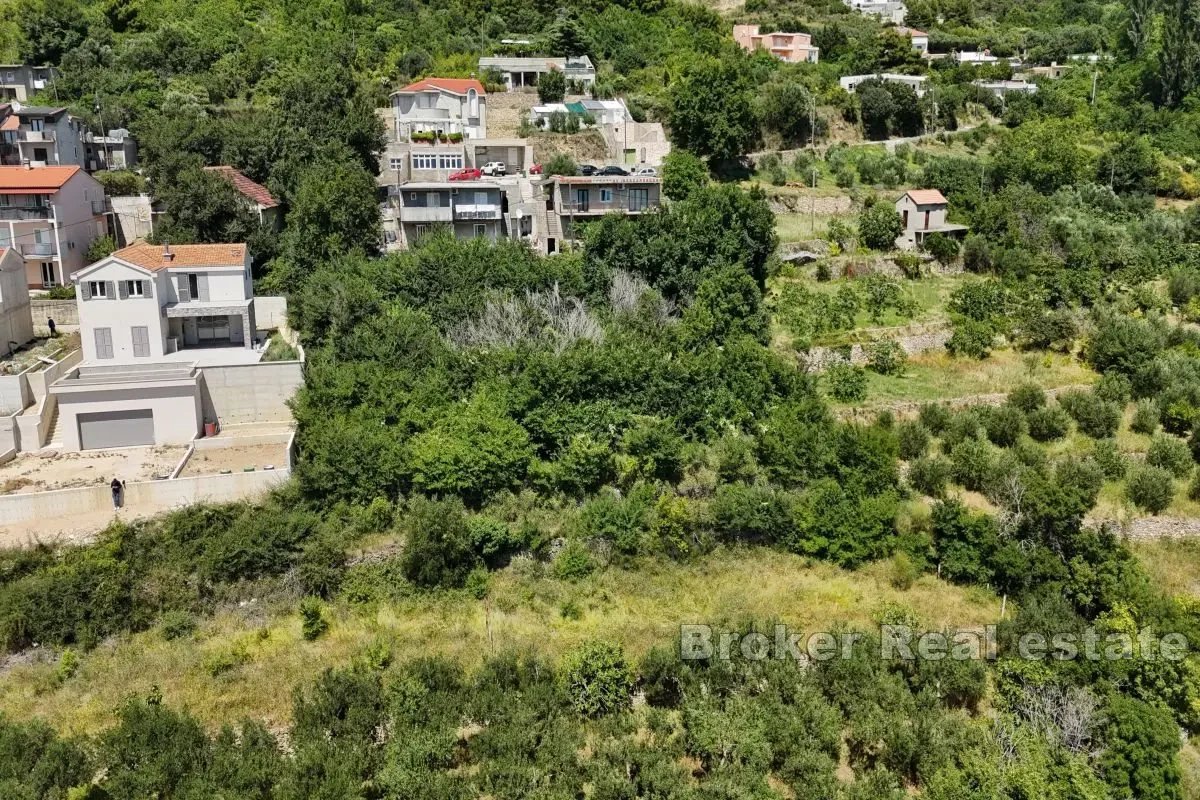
<point>791,47</point>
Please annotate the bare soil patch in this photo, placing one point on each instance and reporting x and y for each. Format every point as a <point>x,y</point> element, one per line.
<point>39,472</point>
<point>236,459</point>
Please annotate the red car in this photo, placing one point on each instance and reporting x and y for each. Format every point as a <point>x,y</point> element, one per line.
<point>536,169</point>
<point>468,174</point>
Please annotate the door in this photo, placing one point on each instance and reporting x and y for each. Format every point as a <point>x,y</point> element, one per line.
<point>48,277</point>
<point>581,200</point>
<point>106,429</point>
<point>212,330</point>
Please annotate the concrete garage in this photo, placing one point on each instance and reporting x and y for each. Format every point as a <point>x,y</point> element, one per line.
<point>102,407</point>
<point>102,430</point>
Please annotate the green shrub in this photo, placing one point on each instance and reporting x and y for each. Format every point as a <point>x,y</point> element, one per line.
<point>1171,454</point>
<point>1193,491</point>
<point>970,460</point>
<point>909,264</point>
<point>438,551</point>
<point>322,566</point>
<point>1113,463</point>
<point>583,466</point>
<point>1005,425</point>
<point>1145,417</point>
<point>735,459</point>
<point>1094,416</point>
<point>1150,488</point>
<point>753,513</point>
<point>312,619</point>
<point>1114,387</point>
<point>886,357</point>
<point>597,679</point>
<point>656,449</point>
<point>846,383</point>
<point>913,440</point>
<point>966,423</point>
<point>574,561</point>
<point>905,571</point>
<point>1027,397</point>
<point>935,417</point>
<point>971,338</point>
<point>1048,424</point>
<point>623,521</point>
<point>177,625</point>
<point>61,293</point>
<point>930,475</point>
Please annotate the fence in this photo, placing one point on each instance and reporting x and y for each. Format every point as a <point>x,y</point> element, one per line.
<point>146,497</point>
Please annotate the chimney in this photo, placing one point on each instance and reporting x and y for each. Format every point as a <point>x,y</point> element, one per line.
<point>168,256</point>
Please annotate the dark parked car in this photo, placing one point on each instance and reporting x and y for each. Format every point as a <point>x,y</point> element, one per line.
<point>587,169</point>
<point>612,170</point>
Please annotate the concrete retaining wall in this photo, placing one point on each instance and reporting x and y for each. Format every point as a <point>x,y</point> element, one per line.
<point>14,393</point>
<point>270,312</point>
<point>151,497</point>
<point>64,313</point>
<point>39,382</point>
<point>250,392</point>
<point>10,434</point>
<point>820,358</point>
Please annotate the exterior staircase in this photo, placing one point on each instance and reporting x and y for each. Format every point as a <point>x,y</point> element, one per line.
<point>53,435</point>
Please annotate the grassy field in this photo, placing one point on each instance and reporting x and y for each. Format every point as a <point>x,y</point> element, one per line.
<point>638,608</point>
<point>940,376</point>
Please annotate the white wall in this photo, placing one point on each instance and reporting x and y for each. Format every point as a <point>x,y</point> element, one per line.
<point>78,225</point>
<point>176,411</point>
<point>16,324</point>
<point>224,283</point>
<point>120,316</point>
<point>245,393</point>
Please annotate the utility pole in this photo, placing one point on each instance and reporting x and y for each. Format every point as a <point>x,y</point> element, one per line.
<point>1095,78</point>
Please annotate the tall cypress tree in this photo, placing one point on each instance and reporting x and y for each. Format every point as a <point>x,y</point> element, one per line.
<point>1180,59</point>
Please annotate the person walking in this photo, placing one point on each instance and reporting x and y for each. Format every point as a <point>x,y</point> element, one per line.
<point>53,328</point>
<point>118,488</point>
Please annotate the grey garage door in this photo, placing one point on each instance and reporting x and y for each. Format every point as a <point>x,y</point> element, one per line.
<point>116,429</point>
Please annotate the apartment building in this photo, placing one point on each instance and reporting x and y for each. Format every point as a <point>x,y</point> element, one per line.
<point>50,215</point>
<point>436,110</point>
<point>471,209</point>
<point>21,81</point>
<point>574,200</point>
<point>794,48</point>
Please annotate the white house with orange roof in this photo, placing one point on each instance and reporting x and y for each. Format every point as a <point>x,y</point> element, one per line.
<point>50,215</point>
<point>794,48</point>
<point>919,39</point>
<point>437,110</point>
<point>145,301</point>
<point>922,213</point>
<point>258,199</point>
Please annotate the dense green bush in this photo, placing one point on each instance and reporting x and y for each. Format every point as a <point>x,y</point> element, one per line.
<point>935,417</point>
<point>1048,424</point>
<point>1145,417</point>
<point>598,679</point>
<point>930,475</point>
<point>1112,461</point>
<point>1171,454</point>
<point>437,548</point>
<point>656,449</point>
<point>312,619</point>
<point>1150,488</point>
<point>753,513</point>
<point>886,357</point>
<point>1027,397</point>
<point>1005,425</point>
<point>913,440</point>
<point>970,460</point>
<point>846,383</point>
<point>971,338</point>
<point>1094,416</point>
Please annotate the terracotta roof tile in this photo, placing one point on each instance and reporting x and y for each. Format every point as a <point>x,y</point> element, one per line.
<point>254,191</point>
<point>452,85</point>
<point>150,256</point>
<point>11,123</point>
<point>51,179</point>
<point>927,197</point>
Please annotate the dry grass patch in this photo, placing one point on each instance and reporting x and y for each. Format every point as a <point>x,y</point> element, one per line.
<point>1173,564</point>
<point>636,608</point>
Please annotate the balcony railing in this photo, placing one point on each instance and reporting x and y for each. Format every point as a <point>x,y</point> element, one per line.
<point>477,211</point>
<point>426,214</point>
<point>36,136</point>
<point>19,213</point>
<point>43,250</point>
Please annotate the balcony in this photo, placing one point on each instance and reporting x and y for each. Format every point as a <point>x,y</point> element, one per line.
<point>43,250</point>
<point>426,214</point>
<point>98,207</point>
<point>477,211</point>
<point>35,136</point>
<point>19,213</point>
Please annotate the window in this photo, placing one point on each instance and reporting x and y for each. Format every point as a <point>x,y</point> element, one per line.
<point>639,199</point>
<point>424,161</point>
<point>37,124</point>
<point>480,230</point>
<point>450,161</point>
<point>397,163</point>
<point>606,195</point>
<point>97,289</point>
<point>141,341</point>
<point>135,289</point>
<point>104,348</point>
<point>49,279</point>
